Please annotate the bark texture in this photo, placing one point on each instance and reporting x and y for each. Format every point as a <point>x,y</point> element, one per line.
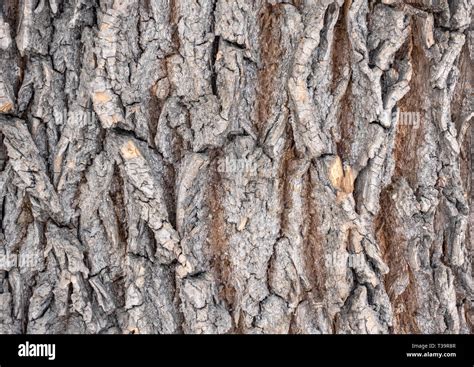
<point>236,166</point>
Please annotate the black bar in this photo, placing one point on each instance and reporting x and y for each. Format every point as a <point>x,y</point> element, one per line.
<point>242,347</point>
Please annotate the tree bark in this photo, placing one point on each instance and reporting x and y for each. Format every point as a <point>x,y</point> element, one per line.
<point>236,166</point>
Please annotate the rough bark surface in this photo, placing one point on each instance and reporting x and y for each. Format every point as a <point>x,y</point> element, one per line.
<point>236,166</point>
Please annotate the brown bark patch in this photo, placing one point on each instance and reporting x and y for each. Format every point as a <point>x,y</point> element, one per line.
<point>393,247</point>
<point>340,48</point>
<point>409,137</point>
<point>217,237</point>
<point>11,11</point>
<point>314,253</point>
<point>270,56</point>
<point>346,125</point>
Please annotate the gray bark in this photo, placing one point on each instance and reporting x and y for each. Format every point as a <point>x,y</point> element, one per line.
<point>236,166</point>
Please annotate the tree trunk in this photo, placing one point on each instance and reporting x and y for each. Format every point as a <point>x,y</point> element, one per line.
<point>236,166</point>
